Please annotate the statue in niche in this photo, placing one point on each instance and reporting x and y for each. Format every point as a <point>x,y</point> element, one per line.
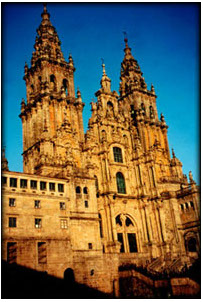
<point>103,135</point>
<point>110,110</point>
<point>93,106</point>
<point>191,177</point>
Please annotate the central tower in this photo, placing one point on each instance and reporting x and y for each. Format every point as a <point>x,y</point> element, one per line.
<point>52,117</point>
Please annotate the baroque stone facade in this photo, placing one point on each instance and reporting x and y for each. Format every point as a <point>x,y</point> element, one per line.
<point>95,201</point>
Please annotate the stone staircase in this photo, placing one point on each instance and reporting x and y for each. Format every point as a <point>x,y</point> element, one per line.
<point>160,265</point>
<point>156,264</point>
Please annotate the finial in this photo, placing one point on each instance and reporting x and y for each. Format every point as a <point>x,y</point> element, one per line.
<point>173,153</point>
<point>125,39</point>
<point>191,178</point>
<point>70,60</point>
<point>152,88</point>
<point>45,7</point>
<point>78,92</point>
<point>45,15</point>
<point>103,66</point>
<point>162,118</point>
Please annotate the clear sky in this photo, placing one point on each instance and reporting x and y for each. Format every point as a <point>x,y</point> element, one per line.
<point>165,39</point>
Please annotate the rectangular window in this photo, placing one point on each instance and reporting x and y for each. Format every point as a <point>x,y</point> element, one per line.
<point>38,223</point>
<point>62,205</point>
<point>12,202</point>
<point>23,183</point>
<point>120,239</point>
<point>132,243</point>
<point>90,246</point>
<point>13,182</point>
<point>64,224</point>
<point>86,204</point>
<point>11,252</point>
<point>42,185</point>
<point>51,186</point>
<point>60,187</point>
<point>4,180</point>
<point>12,222</point>
<point>33,184</point>
<point>37,204</point>
<point>117,152</point>
<point>42,253</point>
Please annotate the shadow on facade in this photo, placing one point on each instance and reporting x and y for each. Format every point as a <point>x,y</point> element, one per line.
<point>19,282</point>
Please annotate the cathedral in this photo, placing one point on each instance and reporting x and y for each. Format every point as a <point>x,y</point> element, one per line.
<point>94,202</point>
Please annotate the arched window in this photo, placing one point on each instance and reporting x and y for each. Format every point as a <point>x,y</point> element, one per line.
<point>117,152</point>
<point>110,111</point>
<point>126,233</point>
<point>52,82</point>
<point>100,226</point>
<point>143,109</point>
<point>32,88</point>
<point>85,190</point>
<point>192,245</point>
<point>151,112</point>
<point>65,85</point>
<point>78,192</point>
<point>78,189</point>
<point>182,207</point>
<point>192,205</point>
<point>120,183</point>
<point>186,206</point>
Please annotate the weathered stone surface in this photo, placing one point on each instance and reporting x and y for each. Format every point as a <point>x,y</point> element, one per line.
<point>124,199</point>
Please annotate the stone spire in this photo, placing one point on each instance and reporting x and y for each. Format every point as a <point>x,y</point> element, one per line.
<point>131,75</point>
<point>4,162</point>
<point>47,43</point>
<point>105,81</point>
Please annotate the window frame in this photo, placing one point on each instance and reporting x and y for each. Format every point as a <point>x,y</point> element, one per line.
<point>12,222</point>
<point>4,180</point>
<point>32,181</point>
<point>41,185</point>
<point>15,182</point>
<point>62,205</point>
<point>120,181</point>
<point>23,186</point>
<point>61,188</point>
<point>10,202</point>
<point>39,224</point>
<point>117,154</point>
<point>52,186</point>
<point>37,204</point>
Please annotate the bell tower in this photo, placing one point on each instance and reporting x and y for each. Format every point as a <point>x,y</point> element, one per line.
<point>52,113</point>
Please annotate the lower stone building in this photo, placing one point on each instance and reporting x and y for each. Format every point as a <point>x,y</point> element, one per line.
<point>94,203</point>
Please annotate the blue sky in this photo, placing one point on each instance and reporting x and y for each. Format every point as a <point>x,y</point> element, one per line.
<point>164,39</point>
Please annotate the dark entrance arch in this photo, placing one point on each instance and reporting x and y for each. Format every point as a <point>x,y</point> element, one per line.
<point>68,276</point>
<point>192,245</point>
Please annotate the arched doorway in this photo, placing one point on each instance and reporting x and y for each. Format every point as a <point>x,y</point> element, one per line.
<point>68,276</point>
<point>192,245</point>
<point>126,234</point>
